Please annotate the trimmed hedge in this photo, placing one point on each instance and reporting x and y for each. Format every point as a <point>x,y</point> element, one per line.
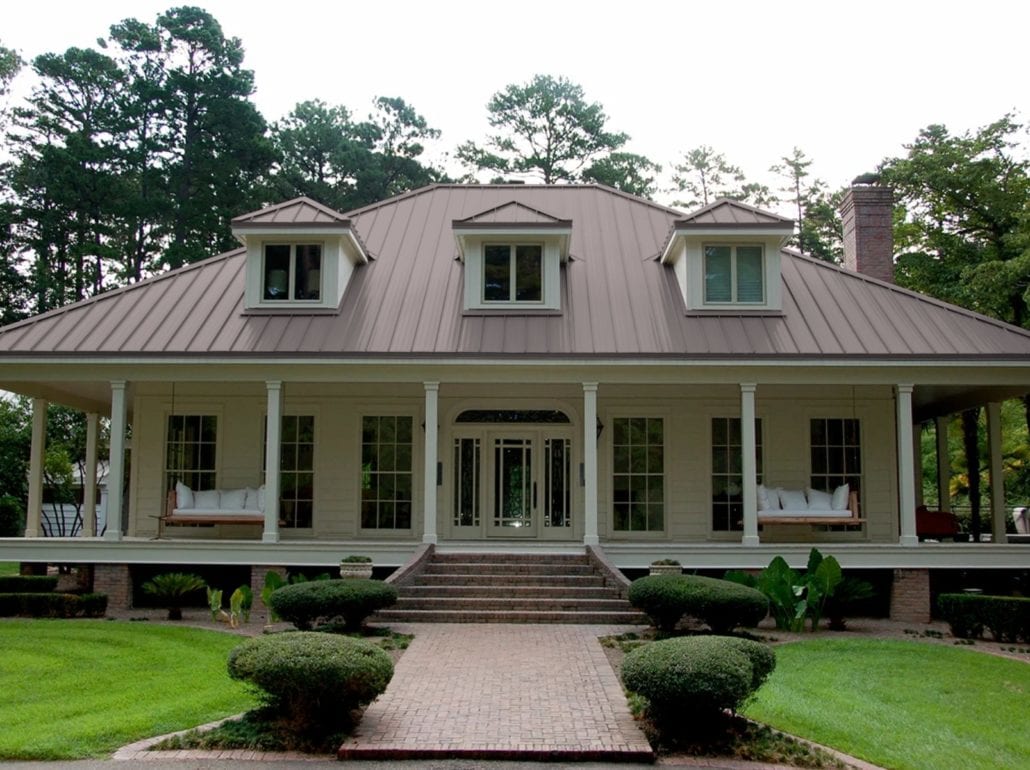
<point>720,604</point>
<point>38,605</point>
<point>27,584</point>
<point>1007,618</point>
<point>312,681</point>
<point>697,676</point>
<point>353,600</point>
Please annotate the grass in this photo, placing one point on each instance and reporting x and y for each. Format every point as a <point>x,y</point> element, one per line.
<point>901,705</point>
<point>75,688</point>
<point>9,567</point>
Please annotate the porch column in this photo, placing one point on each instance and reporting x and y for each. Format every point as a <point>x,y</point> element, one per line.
<point>917,454</point>
<point>116,463</point>
<point>749,465</point>
<point>943,464</point>
<point>997,473</point>
<point>89,482</point>
<point>590,536</point>
<point>429,474</point>
<point>37,454</point>
<point>273,437</point>
<point>906,467</point>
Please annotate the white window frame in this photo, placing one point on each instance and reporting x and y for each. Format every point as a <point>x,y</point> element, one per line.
<point>292,280</point>
<point>733,274</point>
<point>609,421</point>
<point>512,271</point>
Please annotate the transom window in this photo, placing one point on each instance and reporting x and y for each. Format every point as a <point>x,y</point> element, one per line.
<point>190,450</point>
<point>386,478</point>
<point>836,453</point>
<point>638,478</point>
<point>292,272</point>
<point>728,472</point>
<point>513,272</point>
<point>734,274</point>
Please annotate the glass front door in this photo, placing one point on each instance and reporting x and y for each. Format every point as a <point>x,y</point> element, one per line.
<point>513,493</point>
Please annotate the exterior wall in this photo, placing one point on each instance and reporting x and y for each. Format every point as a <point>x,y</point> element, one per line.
<point>687,411</point>
<point>910,596</point>
<point>115,581</point>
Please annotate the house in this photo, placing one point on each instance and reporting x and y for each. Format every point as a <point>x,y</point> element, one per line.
<point>523,368</point>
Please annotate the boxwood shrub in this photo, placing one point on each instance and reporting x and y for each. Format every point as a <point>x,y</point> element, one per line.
<point>39,605</point>
<point>311,681</point>
<point>27,584</point>
<point>1007,618</point>
<point>353,600</point>
<point>721,604</point>
<point>697,676</point>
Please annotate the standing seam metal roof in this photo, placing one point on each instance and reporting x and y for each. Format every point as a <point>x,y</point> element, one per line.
<point>617,299</point>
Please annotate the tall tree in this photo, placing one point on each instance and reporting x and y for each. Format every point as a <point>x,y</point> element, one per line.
<point>12,282</point>
<point>626,171</point>
<point>705,176</point>
<point>546,130</point>
<point>818,224</point>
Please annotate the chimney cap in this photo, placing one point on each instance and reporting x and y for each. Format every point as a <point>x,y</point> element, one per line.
<point>871,178</point>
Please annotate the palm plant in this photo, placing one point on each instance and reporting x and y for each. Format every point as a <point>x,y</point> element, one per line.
<point>170,589</point>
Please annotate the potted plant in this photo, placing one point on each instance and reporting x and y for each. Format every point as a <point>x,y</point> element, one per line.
<point>356,567</point>
<point>666,567</point>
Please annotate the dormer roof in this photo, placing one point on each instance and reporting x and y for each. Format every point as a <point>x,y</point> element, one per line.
<point>513,219</point>
<point>297,213</point>
<point>725,218</point>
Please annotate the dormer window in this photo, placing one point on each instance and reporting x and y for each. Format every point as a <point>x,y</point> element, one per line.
<point>734,274</point>
<point>292,272</point>
<point>513,272</point>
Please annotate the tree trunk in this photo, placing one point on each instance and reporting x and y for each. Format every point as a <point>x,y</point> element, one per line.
<point>971,445</point>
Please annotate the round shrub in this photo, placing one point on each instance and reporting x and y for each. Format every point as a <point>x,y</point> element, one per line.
<point>696,675</point>
<point>303,604</point>
<point>721,604</point>
<point>312,681</point>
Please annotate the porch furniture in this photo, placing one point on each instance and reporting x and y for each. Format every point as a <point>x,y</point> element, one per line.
<point>1021,518</point>
<point>185,506</point>
<point>936,525</point>
<point>795,506</point>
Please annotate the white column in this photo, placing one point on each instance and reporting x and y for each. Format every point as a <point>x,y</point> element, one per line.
<point>943,463</point>
<point>116,463</point>
<point>997,473</point>
<point>430,454</point>
<point>590,535</point>
<point>273,438</point>
<point>749,464</point>
<point>917,453</point>
<point>34,515</point>
<point>89,482</point>
<point>906,467</point>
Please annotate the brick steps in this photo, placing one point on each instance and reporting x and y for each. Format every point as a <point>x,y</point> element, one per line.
<point>511,588</point>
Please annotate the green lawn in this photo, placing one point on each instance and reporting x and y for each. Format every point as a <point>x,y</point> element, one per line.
<point>78,688</point>
<point>901,705</point>
<point>9,567</point>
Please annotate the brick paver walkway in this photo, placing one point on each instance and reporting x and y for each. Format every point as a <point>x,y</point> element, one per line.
<point>501,691</point>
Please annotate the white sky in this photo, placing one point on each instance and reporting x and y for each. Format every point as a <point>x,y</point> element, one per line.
<point>849,83</point>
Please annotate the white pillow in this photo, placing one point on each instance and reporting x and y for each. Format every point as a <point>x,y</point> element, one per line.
<point>183,496</point>
<point>793,500</point>
<point>840,498</point>
<point>261,498</point>
<point>818,500</point>
<point>763,498</point>
<point>206,500</point>
<point>251,503</point>
<point>232,499</point>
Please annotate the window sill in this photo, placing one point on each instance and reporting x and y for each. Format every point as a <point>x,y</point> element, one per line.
<point>730,310</point>
<point>512,310</point>
<point>292,309</point>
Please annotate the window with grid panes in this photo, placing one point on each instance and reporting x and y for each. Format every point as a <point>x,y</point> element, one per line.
<point>296,470</point>
<point>836,446</point>
<point>728,470</point>
<point>638,474</point>
<point>190,451</point>
<point>386,477</point>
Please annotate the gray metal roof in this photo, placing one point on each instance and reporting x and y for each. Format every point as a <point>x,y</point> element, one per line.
<point>617,300</point>
<point>296,212</point>
<point>728,212</point>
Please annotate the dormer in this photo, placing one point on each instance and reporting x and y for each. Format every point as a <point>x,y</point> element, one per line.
<point>727,258</point>
<point>513,255</point>
<point>300,257</point>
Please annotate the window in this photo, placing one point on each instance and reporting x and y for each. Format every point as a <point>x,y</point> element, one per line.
<point>386,479</point>
<point>466,482</point>
<point>297,470</point>
<point>727,472</point>
<point>513,273</point>
<point>734,274</point>
<point>557,482</point>
<point>190,451</point>
<point>638,470</point>
<point>292,272</point>
<point>836,454</point>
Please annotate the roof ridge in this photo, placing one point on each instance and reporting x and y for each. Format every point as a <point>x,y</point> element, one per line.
<point>300,199</point>
<point>725,201</point>
<point>521,205</point>
<point>940,303</point>
<point>116,292</point>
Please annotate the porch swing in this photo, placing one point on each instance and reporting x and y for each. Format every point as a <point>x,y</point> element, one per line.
<point>186,507</point>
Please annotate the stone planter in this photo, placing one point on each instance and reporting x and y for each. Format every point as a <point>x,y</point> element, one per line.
<point>355,569</point>
<point>666,569</point>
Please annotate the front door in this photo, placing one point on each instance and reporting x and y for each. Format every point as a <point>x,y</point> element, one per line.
<point>520,479</point>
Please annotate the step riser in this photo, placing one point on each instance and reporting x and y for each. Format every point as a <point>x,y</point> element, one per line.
<point>590,581</point>
<point>448,616</point>
<point>499,569</point>
<point>511,592</point>
<point>463,604</point>
<point>517,558</point>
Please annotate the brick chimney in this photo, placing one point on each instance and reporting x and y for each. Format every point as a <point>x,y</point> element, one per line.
<point>867,213</point>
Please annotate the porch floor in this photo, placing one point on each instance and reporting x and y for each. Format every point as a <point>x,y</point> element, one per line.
<point>502,692</point>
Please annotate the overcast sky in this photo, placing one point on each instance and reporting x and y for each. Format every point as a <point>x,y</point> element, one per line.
<point>848,82</point>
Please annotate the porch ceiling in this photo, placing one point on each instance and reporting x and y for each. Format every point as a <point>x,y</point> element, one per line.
<point>929,401</point>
